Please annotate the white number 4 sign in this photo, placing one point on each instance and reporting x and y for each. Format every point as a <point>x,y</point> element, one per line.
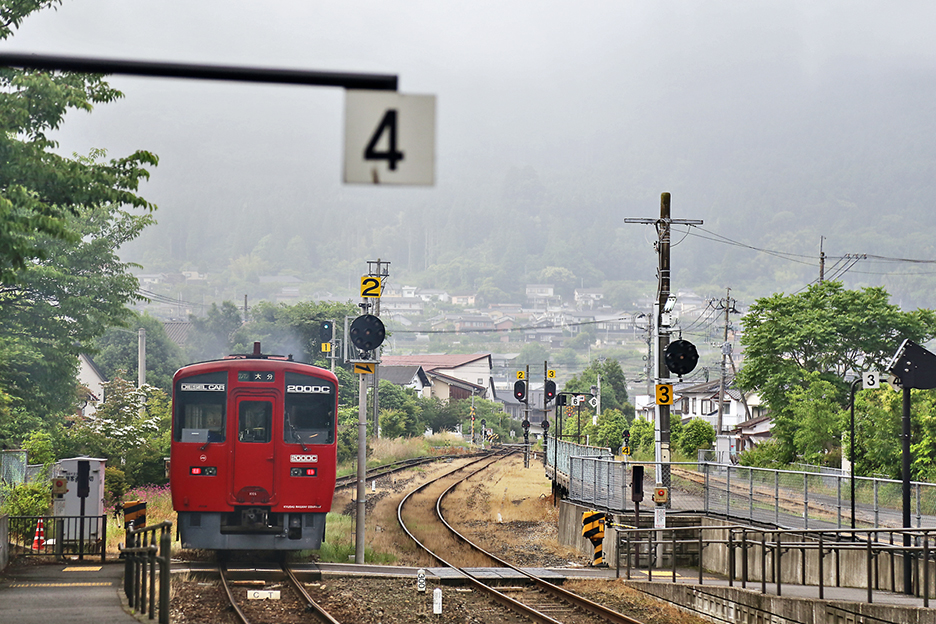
<point>389,138</point>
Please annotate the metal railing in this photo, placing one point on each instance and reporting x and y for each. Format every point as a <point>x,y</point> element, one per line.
<point>140,574</point>
<point>784,498</point>
<point>58,536</point>
<point>864,558</point>
<point>559,453</point>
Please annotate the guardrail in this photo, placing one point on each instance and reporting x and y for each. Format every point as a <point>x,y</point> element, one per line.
<point>862,558</point>
<point>785,498</point>
<point>560,452</point>
<point>57,536</point>
<point>140,569</point>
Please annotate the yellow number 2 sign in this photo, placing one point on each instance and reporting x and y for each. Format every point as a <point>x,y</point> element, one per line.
<point>664,394</point>
<point>370,287</point>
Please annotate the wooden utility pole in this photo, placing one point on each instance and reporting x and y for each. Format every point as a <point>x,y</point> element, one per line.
<point>663,225</point>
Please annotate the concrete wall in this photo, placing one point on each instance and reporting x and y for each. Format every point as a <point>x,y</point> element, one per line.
<point>732,604</point>
<point>4,542</point>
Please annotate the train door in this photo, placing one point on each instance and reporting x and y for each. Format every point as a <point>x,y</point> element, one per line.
<point>253,450</point>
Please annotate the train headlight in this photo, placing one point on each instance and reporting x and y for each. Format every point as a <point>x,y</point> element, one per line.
<point>303,472</point>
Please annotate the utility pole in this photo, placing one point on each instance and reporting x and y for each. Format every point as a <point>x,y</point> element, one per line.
<point>728,305</point>
<point>663,225</point>
<point>821,260</point>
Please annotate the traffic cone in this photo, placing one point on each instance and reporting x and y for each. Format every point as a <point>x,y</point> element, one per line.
<point>39,538</point>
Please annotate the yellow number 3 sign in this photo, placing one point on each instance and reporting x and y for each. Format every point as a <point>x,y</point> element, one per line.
<point>664,394</point>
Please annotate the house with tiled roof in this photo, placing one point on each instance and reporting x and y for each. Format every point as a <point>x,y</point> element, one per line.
<point>91,385</point>
<point>408,377</point>
<point>474,370</point>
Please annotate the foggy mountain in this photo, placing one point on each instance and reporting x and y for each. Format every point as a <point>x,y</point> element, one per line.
<point>777,123</point>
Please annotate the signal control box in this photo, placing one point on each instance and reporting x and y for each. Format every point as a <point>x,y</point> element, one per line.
<point>660,494</point>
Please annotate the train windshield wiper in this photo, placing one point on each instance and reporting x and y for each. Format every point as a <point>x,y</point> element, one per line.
<point>295,434</point>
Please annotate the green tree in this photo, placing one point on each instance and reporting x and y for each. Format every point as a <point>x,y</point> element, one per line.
<point>40,448</point>
<point>613,385</point>
<point>641,431</point>
<point>696,434</point>
<point>61,223</point>
<point>397,423</point>
<point>794,341</point>
<point>118,349</point>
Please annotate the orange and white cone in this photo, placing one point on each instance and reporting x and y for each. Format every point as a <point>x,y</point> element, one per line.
<point>39,538</point>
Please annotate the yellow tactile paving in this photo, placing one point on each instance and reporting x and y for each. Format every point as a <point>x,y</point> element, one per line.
<point>83,569</point>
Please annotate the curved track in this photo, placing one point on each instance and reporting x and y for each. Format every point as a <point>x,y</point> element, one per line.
<point>539,604</point>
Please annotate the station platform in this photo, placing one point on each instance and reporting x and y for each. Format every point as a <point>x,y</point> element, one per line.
<point>63,593</point>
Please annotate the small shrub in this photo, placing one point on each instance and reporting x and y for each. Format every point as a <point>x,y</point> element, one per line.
<point>27,499</point>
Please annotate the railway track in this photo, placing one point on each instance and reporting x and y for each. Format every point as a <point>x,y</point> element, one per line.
<point>386,469</point>
<point>302,601</point>
<point>538,600</point>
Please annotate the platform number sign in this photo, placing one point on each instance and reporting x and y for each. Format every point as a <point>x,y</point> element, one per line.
<point>550,374</point>
<point>371,287</point>
<point>664,394</point>
<point>870,380</point>
<point>521,375</point>
<point>389,138</point>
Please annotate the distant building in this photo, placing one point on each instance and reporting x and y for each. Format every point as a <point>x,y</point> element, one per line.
<point>452,376</point>
<point>91,381</point>
<point>408,377</point>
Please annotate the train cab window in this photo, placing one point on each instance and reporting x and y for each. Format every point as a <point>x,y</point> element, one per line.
<point>199,413</point>
<point>310,410</point>
<point>254,421</point>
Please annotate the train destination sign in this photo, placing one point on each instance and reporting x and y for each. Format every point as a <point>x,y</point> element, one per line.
<point>389,138</point>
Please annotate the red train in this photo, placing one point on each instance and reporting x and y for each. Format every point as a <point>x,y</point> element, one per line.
<point>253,452</point>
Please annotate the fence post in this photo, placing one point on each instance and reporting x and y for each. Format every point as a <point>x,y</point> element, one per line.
<point>706,490</point>
<point>926,570</point>
<point>821,557</point>
<point>877,519</point>
<point>728,493</point>
<point>838,495</point>
<point>103,521</point>
<point>751,493</point>
<point>805,500</point>
<point>701,549</point>
<point>744,559</point>
<point>731,561</point>
<point>776,494</point>
<point>763,563</point>
<point>128,569</point>
<point>869,555</point>
<point>778,557</point>
<point>165,553</point>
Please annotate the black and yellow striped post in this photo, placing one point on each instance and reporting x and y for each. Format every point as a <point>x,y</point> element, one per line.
<point>134,514</point>
<point>593,530</point>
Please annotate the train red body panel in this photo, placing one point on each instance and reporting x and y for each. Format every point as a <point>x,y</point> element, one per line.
<point>253,453</point>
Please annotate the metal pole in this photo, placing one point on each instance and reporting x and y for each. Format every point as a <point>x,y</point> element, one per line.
<point>851,452</point>
<point>361,470</point>
<point>383,82</point>
<point>907,555</point>
<point>141,357</point>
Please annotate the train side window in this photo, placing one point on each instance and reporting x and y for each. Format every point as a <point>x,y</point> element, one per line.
<point>310,419</point>
<point>254,421</point>
<point>200,418</point>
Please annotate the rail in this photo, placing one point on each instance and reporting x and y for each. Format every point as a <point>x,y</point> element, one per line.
<point>140,574</point>
<point>862,558</point>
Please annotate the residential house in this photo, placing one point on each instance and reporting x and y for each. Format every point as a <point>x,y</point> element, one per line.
<point>462,299</point>
<point>588,297</point>
<point>91,386</point>
<point>402,305</point>
<point>453,376</point>
<point>408,377</point>
<point>701,401</point>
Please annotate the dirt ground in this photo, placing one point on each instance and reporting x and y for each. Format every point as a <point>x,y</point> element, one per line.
<point>507,510</point>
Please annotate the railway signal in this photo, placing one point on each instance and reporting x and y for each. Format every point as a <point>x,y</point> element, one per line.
<point>520,390</point>
<point>326,331</point>
<point>367,332</point>
<point>681,357</point>
<point>549,389</point>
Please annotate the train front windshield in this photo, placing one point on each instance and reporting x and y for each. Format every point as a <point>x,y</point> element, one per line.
<point>310,410</point>
<point>200,408</point>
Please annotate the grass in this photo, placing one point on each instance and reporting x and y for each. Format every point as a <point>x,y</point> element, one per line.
<point>158,509</point>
